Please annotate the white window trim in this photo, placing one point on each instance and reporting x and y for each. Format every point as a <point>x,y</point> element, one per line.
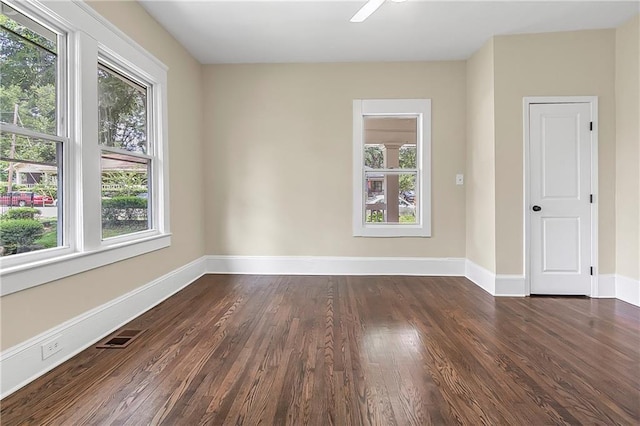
<point>90,35</point>
<point>389,107</point>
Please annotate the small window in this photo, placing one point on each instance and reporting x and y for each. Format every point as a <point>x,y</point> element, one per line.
<point>391,168</point>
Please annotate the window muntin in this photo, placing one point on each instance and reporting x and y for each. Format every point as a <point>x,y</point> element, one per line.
<point>391,167</point>
<point>32,141</point>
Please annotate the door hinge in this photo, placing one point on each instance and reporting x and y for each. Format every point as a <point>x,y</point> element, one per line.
<point>591,126</point>
<point>591,270</point>
<point>591,198</point>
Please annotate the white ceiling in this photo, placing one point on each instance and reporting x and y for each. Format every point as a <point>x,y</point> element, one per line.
<point>238,31</point>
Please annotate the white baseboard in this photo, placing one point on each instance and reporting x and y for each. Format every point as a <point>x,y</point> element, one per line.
<point>325,265</point>
<point>606,287</point>
<point>510,285</point>
<point>628,289</point>
<point>495,285</point>
<point>480,276</point>
<point>23,363</point>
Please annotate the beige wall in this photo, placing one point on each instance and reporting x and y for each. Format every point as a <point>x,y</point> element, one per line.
<point>553,64</point>
<point>481,172</point>
<point>628,149</point>
<point>30,312</point>
<point>278,149</point>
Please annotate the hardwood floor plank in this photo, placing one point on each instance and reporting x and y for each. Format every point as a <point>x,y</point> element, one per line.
<point>355,350</point>
<point>564,373</point>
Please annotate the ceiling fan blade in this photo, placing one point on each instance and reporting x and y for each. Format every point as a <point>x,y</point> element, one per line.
<point>366,10</point>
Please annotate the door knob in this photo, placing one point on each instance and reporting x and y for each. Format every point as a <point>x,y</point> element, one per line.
<point>536,208</point>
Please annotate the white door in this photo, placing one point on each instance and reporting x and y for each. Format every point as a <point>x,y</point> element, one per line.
<point>560,198</point>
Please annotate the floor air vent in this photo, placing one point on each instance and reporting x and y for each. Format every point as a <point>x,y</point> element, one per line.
<point>120,339</point>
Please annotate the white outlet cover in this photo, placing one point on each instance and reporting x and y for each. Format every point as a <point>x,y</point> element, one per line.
<point>51,347</point>
<point>460,179</point>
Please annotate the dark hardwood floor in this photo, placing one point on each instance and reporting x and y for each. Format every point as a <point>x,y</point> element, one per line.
<point>277,350</point>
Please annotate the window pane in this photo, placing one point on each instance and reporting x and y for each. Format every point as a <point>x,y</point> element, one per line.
<point>374,156</point>
<point>403,188</point>
<point>122,112</point>
<point>390,142</point>
<point>29,68</point>
<point>407,157</point>
<point>27,149</point>
<point>27,28</point>
<point>29,173</point>
<point>125,194</point>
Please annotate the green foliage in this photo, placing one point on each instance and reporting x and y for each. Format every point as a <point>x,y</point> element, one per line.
<point>408,219</point>
<point>373,156</point>
<point>122,110</point>
<point>123,228</point>
<point>28,98</point>
<point>46,188</point>
<point>123,209</point>
<point>28,77</point>
<point>407,157</point>
<point>407,182</point>
<point>124,191</point>
<point>125,203</point>
<point>27,93</point>
<point>128,183</point>
<point>375,217</point>
<point>378,217</point>
<point>48,240</point>
<point>123,215</point>
<point>26,62</point>
<point>50,237</point>
<point>21,213</point>
<point>18,235</point>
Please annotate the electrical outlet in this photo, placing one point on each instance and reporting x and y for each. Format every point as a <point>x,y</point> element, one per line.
<point>51,347</point>
<point>459,179</point>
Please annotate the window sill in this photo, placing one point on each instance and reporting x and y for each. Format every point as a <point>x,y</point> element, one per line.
<point>33,274</point>
<point>391,231</point>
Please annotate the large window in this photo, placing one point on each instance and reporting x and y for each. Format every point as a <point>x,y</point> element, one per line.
<point>391,167</point>
<point>83,179</point>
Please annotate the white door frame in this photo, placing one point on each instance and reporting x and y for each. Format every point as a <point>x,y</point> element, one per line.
<point>593,101</point>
